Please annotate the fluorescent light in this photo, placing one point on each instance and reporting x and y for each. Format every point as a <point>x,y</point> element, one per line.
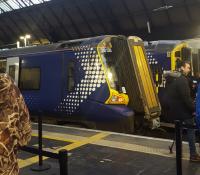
<point>166,7</point>
<point>28,36</point>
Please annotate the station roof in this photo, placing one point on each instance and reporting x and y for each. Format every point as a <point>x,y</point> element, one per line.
<point>10,5</point>
<point>57,20</point>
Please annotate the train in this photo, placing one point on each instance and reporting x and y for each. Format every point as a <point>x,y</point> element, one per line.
<point>104,79</point>
<point>164,56</point>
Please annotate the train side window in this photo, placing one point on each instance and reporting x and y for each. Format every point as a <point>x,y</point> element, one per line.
<point>186,53</point>
<point>12,71</point>
<point>178,54</point>
<point>30,79</point>
<point>71,76</point>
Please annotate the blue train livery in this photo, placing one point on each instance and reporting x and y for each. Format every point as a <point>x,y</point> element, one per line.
<point>72,78</point>
<point>100,79</point>
<point>163,56</point>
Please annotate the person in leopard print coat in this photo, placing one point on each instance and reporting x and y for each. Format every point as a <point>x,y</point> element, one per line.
<point>15,127</point>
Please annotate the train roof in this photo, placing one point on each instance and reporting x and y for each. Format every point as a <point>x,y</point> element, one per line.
<point>51,47</point>
<point>194,43</point>
<point>167,42</point>
<point>161,45</point>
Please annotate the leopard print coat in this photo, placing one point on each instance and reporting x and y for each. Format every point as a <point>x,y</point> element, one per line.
<point>15,127</point>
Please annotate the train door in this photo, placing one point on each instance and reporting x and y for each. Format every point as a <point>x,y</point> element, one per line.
<point>12,68</point>
<point>196,61</point>
<point>2,65</point>
<point>70,92</point>
<point>144,78</point>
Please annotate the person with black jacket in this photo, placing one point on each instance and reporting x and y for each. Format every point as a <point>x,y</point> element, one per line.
<point>180,106</point>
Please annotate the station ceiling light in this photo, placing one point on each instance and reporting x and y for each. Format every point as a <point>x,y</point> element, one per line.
<point>164,7</point>
<point>25,38</point>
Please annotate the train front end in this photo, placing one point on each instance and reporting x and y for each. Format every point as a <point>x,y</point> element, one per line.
<point>100,86</point>
<point>127,71</point>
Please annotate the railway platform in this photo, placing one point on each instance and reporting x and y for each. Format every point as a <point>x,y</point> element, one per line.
<point>100,152</point>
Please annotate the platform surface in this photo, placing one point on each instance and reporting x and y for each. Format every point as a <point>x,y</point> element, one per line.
<point>98,152</point>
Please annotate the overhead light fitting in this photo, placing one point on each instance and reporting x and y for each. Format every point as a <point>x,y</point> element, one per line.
<point>166,7</point>
<point>148,27</point>
<point>25,38</point>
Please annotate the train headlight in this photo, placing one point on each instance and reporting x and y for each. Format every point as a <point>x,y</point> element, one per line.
<point>120,99</point>
<point>114,98</point>
<point>117,98</point>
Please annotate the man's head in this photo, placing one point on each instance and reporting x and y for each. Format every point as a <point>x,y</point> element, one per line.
<point>185,67</point>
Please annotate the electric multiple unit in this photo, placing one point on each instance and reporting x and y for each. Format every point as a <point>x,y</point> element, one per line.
<point>101,79</point>
<point>164,56</point>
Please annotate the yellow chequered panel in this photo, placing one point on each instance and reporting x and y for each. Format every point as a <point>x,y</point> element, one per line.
<point>146,81</point>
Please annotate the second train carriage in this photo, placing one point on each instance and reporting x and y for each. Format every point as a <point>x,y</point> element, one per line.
<point>163,56</point>
<point>94,78</point>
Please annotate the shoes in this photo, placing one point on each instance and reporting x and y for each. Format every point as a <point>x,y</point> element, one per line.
<point>195,158</point>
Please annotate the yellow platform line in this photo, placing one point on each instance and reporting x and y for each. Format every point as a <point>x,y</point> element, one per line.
<point>32,160</point>
<point>85,141</point>
<point>55,138</point>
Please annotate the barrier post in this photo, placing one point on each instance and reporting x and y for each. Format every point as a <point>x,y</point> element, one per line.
<point>178,131</point>
<point>40,139</point>
<point>63,161</point>
<point>40,166</point>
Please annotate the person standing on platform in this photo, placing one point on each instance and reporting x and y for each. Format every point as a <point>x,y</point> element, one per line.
<point>180,106</point>
<point>15,127</point>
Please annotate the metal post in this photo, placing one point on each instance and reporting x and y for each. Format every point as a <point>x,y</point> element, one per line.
<point>63,161</point>
<point>40,166</point>
<point>40,139</point>
<point>178,131</point>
